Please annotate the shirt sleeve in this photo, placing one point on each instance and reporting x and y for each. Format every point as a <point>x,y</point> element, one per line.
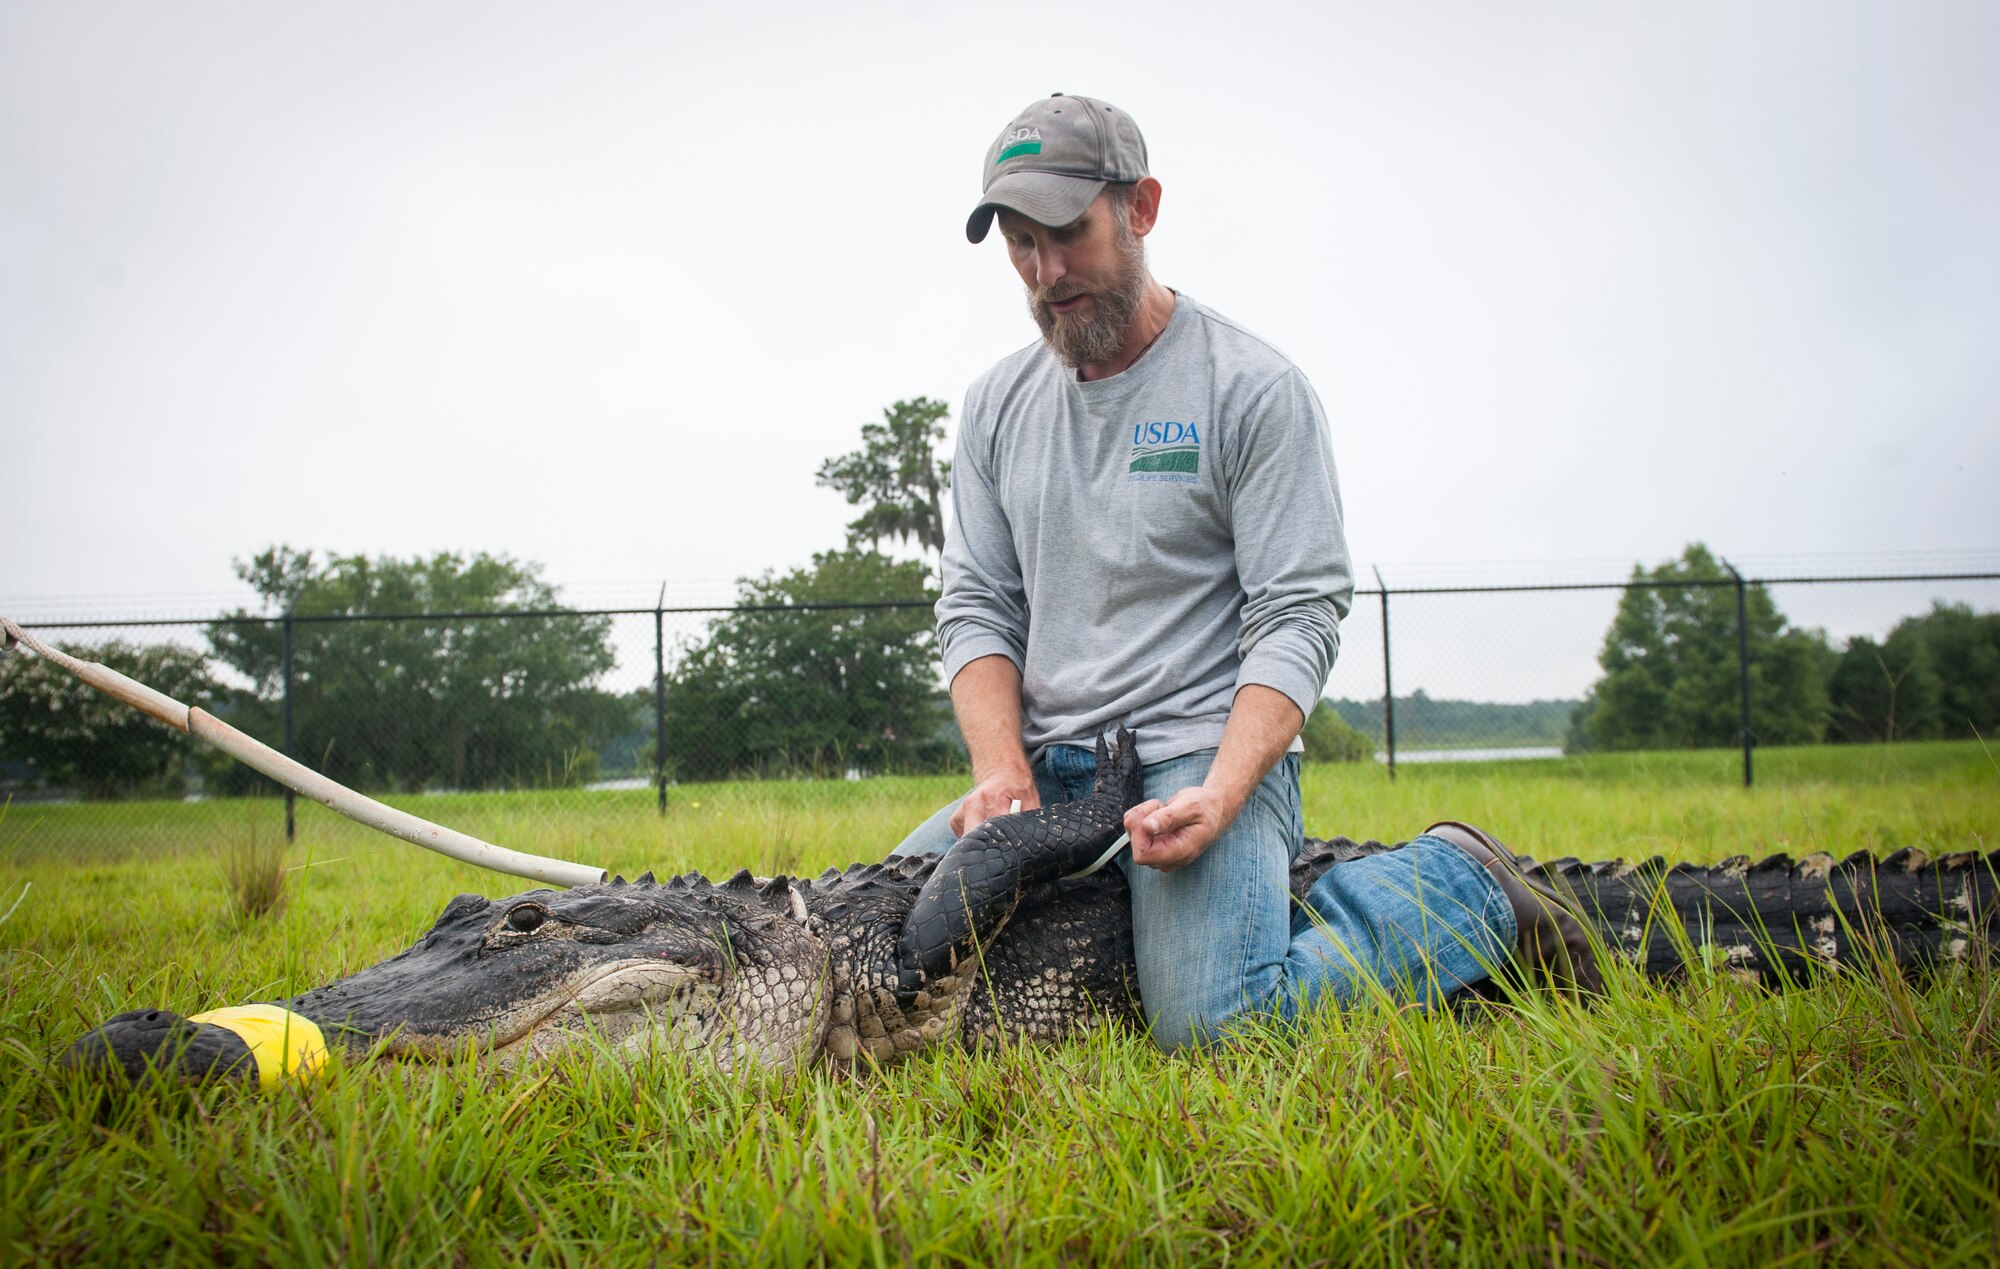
<point>1291,547</point>
<point>983,609</point>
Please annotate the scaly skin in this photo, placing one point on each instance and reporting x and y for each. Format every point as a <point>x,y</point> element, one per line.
<point>976,888</point>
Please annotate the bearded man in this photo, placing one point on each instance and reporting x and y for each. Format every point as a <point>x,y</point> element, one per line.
<point>1146,530</point>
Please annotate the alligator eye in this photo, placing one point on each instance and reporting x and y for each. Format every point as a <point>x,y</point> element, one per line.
<point>527,918</point>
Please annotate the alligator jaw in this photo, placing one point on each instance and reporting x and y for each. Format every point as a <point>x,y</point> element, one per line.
<point>629,1007</point>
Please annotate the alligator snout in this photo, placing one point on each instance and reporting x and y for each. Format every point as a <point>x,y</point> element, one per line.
<point>160,1040</point>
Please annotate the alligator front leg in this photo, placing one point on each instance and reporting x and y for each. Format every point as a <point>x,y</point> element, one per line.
<point>976,887</point>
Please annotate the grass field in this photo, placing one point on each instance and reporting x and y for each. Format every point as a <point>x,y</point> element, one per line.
<point>1858,1121</point>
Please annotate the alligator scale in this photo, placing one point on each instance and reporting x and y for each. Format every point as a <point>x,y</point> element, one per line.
<point>882,960</point>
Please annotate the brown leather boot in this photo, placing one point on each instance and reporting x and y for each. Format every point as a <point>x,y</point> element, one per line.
<point>1553,947</point>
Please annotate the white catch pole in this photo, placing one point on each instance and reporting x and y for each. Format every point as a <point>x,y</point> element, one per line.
<point>303,779</point>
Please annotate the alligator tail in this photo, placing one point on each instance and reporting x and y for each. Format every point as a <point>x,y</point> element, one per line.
<point>1779,920</point>
<point>1782,920</point>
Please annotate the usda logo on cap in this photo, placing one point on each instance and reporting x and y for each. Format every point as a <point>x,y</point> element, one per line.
<point>1019,142</point>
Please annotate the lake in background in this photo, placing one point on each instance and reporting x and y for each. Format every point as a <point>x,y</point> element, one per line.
<point>1472,755</point>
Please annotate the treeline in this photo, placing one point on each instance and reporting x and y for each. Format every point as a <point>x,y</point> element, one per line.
<point>1672,675</point>
<point>1935,676</point>
<point>819,672</point>
<point>384,705</point>
<point>389,704</point>
<point>1424,722</point>
<point>1672,679</point>
<point>378,701</point>
<point>780,687</point>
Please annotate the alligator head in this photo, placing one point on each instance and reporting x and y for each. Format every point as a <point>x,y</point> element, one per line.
<point>732,970</point>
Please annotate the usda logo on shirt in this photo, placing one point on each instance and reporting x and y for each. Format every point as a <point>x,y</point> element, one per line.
<point>1165,451</point>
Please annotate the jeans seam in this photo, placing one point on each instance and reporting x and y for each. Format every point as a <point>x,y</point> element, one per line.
<point>1498,906</point>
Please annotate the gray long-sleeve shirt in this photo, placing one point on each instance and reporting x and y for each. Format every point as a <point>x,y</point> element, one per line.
<point>1144,545</point>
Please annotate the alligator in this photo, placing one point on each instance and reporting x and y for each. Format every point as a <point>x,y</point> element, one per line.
<point>998,938</point>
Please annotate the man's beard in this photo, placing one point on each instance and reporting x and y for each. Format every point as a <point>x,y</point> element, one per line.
<point>1091,341</point>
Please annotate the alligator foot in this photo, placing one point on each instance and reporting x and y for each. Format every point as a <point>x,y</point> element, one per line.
<point>976,886</point>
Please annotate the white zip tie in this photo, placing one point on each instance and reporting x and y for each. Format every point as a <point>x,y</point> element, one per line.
<point>1103,859</point>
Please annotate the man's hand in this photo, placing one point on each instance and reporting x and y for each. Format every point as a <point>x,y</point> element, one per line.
<point>993,796</point>
<point>1171,835</point>
<point>987,696</point>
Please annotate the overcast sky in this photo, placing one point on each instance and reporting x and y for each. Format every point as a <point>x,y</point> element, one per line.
<point>600,285</point>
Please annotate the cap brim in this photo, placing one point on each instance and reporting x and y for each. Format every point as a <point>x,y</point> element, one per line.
<point>1047,198</point>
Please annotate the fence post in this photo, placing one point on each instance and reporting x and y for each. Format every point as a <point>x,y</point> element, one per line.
<point>290,826</point>
<point>1743,666</point>
<point>1388,680</point>
<point>660,696</point>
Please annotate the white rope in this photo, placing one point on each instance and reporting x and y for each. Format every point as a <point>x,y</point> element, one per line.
<point>103,678</point>
<point>302,779</point>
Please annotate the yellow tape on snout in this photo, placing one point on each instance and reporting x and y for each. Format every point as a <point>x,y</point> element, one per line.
<point>284,1043</point>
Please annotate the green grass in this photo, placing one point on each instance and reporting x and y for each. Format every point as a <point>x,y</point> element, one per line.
<point>1858,1121</point>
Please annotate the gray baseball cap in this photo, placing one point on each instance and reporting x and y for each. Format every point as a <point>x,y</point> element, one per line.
<point>1055,158</point>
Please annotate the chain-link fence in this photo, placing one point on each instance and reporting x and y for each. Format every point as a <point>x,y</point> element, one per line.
<point>615,707</point>
<point>1435,673</point>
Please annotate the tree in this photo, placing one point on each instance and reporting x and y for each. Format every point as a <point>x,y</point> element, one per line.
<point>1937,675</point>
<point>1329,738</point>
<point>75,737</point>
<point>781,687</point>
<point>1671,678</point>
<point>1965,655</point>
<point>898,475</point>
<point>458,702</point>
<point>1883,691</point>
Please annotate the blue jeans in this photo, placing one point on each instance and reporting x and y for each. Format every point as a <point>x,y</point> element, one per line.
<point>1222,938</point>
